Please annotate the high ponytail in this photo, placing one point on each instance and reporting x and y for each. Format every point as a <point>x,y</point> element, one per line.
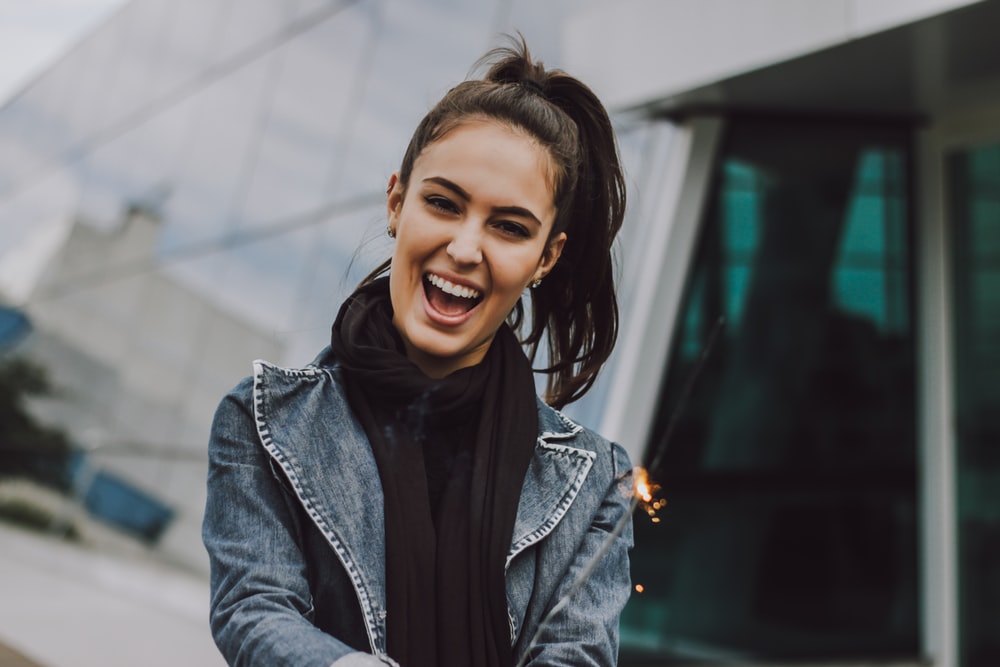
<point>574,309</point>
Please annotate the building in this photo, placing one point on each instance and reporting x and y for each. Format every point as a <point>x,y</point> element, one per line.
<point>809,275</point>
<point>834,195</point>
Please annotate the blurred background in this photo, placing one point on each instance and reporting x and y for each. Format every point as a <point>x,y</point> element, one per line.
<point>189,185</point>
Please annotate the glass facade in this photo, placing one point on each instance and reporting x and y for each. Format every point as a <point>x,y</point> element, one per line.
<point>790,473</point>
<point>974,196</point>
<point>199,184</point>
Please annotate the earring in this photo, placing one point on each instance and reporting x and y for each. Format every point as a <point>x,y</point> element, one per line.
<point>390,231</point>
<point>535,283</point>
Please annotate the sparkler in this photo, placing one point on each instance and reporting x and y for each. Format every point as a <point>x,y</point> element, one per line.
<point>643,492</point>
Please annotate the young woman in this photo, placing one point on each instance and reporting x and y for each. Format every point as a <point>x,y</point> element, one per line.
<point>406,499</point>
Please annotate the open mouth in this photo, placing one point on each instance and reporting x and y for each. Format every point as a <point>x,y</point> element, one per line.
<point>449,299</point>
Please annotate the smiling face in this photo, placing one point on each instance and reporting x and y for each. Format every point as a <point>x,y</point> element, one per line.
<point>472,230</point>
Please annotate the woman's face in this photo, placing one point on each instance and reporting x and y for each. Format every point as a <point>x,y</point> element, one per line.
<point>472,230</point>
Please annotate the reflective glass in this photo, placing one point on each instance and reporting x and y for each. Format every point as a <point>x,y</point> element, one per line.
<point>303,9</point>
<point>33,226</point>
<point>345,249</point>
<point>132,78</point>
<point>188,40</point>
<point>215,154</point>
<point>396,97</point>
<point>974,195</point>
<point>93,66</point>
<point>112,76</point>
<point>41,112</point>
<point>307,119</point>
<point>790,472</point>
<point>137,168</point>
<point>36,131</point>
<point>248,26</point>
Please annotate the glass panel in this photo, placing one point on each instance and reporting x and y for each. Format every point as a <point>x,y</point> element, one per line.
<point>190,33</point>
<point>248,25</point>
<point>135,69</point>
<point>214,156</point>
<point>93,63</point>
<point>303,136</point>
<point>790,474</point>
<point>137,168</point>
<point>974,177</point>
<point>346,248</point>
<point>395,98</point>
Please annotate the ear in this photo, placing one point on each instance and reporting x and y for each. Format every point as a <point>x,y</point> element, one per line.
<point>551,255</point>
<point>394,200</point>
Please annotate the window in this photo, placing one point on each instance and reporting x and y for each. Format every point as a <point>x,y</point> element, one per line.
<point>974,180</point>
<point>790,471</point>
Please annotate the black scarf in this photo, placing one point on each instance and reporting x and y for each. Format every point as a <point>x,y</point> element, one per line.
<point>446,599</point>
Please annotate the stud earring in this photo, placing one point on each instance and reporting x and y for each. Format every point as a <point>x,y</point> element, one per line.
<point>535,283</point>
<point>390,231</point>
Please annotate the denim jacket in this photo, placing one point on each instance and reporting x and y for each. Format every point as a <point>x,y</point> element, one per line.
<point>294,530</point>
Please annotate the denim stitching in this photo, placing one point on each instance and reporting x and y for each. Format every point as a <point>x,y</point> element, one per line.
<point>374,633</point>
<point>572,428</point>
<point>564,504</point>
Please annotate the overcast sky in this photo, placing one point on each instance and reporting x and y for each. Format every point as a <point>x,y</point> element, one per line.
<point>35,33</point>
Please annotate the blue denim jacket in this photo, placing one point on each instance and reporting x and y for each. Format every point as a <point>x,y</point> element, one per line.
<point>293,528</point>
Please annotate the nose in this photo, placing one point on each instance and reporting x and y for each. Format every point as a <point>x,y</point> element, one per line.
<point>465,247</point>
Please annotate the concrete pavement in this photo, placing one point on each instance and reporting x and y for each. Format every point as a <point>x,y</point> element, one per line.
<point>66,605</point>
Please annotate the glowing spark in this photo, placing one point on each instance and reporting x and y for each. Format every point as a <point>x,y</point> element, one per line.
<point>645,494</point>
<point>639,588</point>
<point>642,488</point>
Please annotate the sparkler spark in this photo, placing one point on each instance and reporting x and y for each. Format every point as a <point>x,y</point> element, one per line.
<point>642,485</point>
<point>646,491</point>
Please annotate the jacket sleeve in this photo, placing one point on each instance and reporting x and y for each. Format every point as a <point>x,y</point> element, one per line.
<point>260,600</point>
<point>583,632</point>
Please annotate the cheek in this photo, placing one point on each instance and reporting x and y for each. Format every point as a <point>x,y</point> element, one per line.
<point>515,273</point>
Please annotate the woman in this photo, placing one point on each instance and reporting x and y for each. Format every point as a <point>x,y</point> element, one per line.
<point>406,499</point>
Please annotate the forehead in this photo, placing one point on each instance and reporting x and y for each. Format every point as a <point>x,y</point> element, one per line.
<point>488,149</point>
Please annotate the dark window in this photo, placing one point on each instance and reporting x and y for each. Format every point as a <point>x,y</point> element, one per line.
<point>974,180</point>
<point>790,478</point>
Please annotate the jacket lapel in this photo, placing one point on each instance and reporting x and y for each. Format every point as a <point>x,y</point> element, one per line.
<point>554,478</point>
<point>306,426</point>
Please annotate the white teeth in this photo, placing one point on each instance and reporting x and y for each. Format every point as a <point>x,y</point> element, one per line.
<point>452,288</point>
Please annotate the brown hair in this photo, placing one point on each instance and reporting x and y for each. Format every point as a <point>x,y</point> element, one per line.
<point>575,307</point>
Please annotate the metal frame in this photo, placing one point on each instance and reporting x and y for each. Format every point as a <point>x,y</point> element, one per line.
<point>936,381</point>
<point>672,219</point>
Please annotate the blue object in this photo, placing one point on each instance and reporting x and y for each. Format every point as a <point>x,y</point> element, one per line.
<point>114,501</point>
<point>14,325</point>
<point>120,504</point>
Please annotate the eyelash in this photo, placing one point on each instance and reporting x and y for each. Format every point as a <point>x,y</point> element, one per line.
<point>441,203</point>
<point>513,229</point>
<point>506,226</point>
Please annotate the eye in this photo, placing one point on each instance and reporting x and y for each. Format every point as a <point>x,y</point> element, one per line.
<point>441,203</point>
<point>512,228</point>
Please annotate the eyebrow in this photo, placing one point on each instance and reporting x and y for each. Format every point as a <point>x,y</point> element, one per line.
<point>504,210</point>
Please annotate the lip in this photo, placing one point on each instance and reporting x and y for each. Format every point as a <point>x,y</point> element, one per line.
<point>440,318</point>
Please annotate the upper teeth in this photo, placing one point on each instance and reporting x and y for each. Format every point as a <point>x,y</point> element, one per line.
<point>451,288</point>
